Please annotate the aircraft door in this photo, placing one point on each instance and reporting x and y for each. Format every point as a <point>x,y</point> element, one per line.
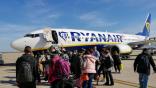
<point>55,37</point>
<point>47,34</point>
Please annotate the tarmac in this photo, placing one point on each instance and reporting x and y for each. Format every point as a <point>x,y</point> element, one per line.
<point>126,79</point>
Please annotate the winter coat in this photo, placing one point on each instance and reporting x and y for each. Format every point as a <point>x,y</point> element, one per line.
<point>26,58</point>
<point>117,60</point>
<point>142,63</point>
<point>52,69</point>
<point>106,62</point>
<point>89,61</point>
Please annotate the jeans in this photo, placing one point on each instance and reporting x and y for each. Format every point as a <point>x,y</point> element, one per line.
<point>109,78</point>
<point>117,67</point>
<point>88,84</point>
<point>101,69</point>
<point>143,80</point>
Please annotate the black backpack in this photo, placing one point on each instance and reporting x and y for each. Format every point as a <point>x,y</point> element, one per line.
<point>108,62</point>
<point>25,72</point>
<point>144,62</point>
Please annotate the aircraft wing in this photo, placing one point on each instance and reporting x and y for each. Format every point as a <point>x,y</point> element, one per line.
<point>142,43</point>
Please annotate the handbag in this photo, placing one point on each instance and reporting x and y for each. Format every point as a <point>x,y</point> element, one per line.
<point>84,77</point>
<point>121,66</point>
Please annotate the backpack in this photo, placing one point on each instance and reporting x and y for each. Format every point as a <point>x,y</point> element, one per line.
<point>24,73</point>
<point>63,69</point>
<point>144,62</point>
<point>108,62</point>
<point>65,57</point>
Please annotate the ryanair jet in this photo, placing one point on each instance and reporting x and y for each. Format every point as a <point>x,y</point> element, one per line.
<point>72,38</point>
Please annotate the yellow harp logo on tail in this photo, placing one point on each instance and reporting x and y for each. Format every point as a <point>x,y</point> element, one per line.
<point>148,26</point>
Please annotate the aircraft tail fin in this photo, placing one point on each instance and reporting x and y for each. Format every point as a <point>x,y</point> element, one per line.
<point>146,29</point>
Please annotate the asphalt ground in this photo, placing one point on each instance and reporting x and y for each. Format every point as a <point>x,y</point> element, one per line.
<point>126,79</point>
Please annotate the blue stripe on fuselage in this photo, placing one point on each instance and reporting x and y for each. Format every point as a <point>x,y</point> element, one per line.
<point>84,47</point>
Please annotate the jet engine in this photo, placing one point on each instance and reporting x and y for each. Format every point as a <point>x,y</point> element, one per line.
<point>121,49</point>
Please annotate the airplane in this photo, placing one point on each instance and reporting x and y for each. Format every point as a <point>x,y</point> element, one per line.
<point>75,39</point>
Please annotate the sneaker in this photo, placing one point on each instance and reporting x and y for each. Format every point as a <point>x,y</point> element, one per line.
<point>111,84</point>
<point>106,84</point>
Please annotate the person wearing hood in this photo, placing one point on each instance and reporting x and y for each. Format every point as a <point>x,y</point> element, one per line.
<point>53,79</point>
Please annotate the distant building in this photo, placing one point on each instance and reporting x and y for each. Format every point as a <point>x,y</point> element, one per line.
<point>1,59</point>
<point>152,38</point>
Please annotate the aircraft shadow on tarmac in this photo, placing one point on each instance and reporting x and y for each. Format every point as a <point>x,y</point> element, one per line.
<point>12,82</point>
<point>8,64</point>
<point>10,70</point>
<point>10,77</point>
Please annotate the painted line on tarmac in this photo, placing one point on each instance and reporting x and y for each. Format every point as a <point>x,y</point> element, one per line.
<point>5,85</point>
<point>130,83</point>
<point>126,83</point>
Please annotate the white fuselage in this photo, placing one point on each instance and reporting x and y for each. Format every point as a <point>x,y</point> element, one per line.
<point>40,40</point>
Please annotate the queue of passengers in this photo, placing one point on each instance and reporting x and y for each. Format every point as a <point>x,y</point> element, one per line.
<point>65,69</point>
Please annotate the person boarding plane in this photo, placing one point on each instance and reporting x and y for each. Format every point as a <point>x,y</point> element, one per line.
<point>72,38</point>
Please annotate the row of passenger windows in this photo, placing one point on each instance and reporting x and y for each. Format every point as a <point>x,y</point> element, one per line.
<point>32,35</point>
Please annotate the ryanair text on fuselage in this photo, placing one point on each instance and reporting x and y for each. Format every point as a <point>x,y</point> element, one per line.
<point>91,37</point>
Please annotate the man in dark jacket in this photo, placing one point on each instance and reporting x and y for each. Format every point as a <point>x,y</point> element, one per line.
<point>26,70</point>
<point>142,66</point>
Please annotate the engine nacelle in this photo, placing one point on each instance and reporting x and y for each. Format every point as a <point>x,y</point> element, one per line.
<point>122,49</point>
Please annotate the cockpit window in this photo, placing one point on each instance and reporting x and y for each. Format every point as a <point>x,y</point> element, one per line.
<point>32,35</point>
<point>36,35</point>
<point>28,35</point>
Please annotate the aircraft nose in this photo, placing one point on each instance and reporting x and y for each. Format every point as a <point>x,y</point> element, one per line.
<point>14,44</point>
<point>17,44</point>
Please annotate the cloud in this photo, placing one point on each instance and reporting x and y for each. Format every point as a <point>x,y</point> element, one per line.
<point>153,28</point>
<point>107,1</point>
<point>139,4</point>
<point>40,12</point>
<point>93,19</point>
<point>10,32</point>
<point>45,19</point>
<point>14,29</point>
<point>133,29</point>
<point>35,3</point>
<point>100,1</point>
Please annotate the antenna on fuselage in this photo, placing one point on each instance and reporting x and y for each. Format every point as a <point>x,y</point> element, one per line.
<point>106,31</point>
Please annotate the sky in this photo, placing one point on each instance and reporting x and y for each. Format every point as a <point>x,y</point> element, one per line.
<point>19,17</point>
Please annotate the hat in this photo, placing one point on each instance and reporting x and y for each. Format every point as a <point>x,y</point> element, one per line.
<point>54,50</point>
<point>63,49</point>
